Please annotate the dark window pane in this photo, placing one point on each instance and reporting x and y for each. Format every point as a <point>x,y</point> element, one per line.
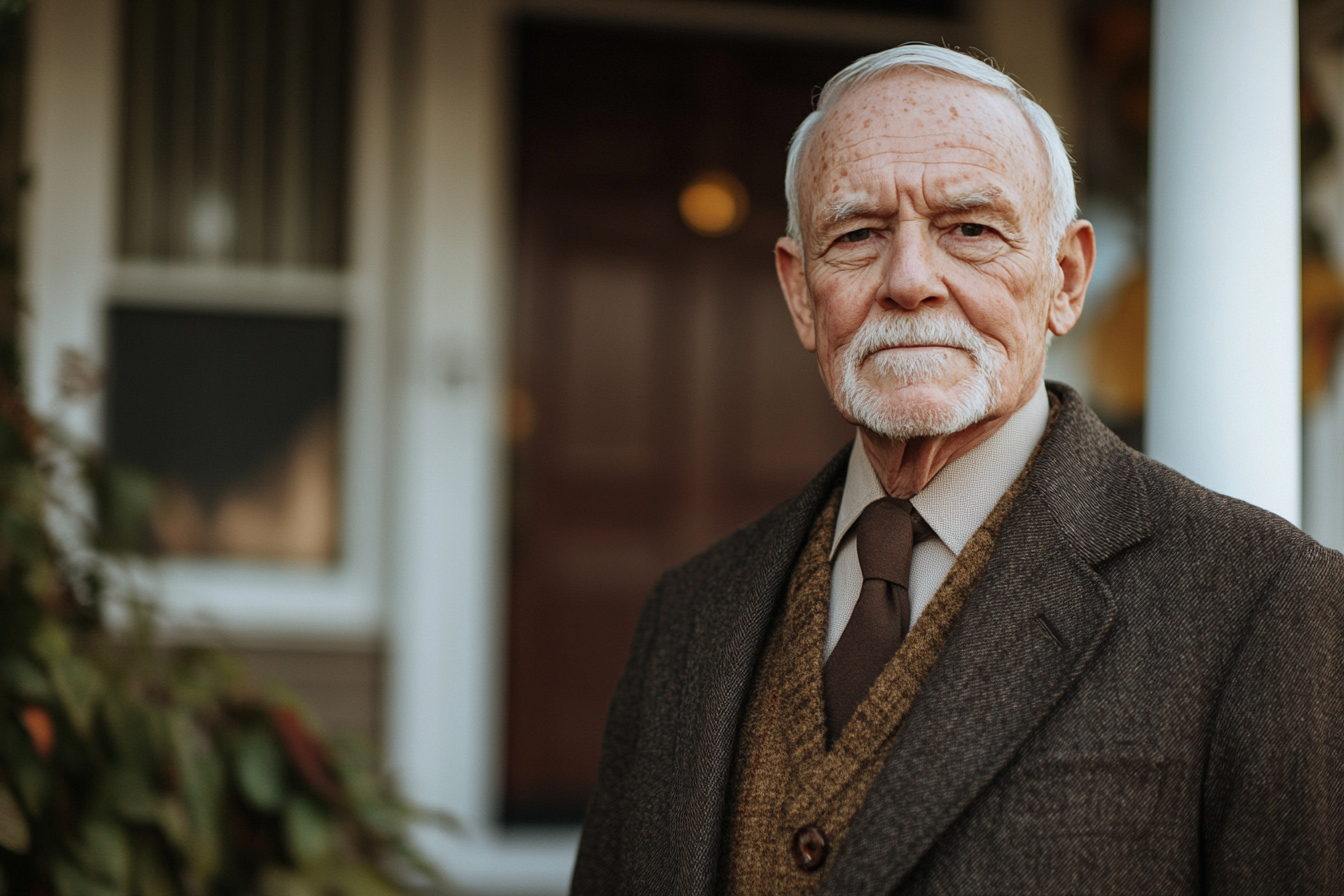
<point>235,416</point>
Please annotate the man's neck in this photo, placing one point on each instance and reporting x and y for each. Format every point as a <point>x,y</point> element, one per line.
<point>906,468</point>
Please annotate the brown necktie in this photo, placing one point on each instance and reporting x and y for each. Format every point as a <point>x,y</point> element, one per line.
<point>887,533</point>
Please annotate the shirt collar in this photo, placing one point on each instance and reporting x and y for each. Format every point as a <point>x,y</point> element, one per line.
<point>963,493</point>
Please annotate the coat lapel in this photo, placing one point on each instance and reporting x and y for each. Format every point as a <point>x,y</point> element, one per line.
<point>1036,619</point>
<point>728,633</point>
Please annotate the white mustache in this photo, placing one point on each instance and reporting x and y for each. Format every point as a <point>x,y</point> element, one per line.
<point>908,330</point>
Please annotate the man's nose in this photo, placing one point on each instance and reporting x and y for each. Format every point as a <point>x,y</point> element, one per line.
<point>912,277</point>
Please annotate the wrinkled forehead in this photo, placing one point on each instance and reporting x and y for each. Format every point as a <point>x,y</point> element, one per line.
<point>914,115</point>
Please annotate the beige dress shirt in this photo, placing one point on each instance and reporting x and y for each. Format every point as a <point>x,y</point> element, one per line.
<point>954,503</point>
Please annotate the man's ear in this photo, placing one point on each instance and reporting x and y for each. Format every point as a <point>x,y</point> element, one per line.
<point>1077,255</point>
<point>793,280</point>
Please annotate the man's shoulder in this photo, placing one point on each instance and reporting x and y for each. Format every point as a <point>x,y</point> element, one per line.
<point>1214,536</point>
<point>1110,483</point>
<point>1179,503</point>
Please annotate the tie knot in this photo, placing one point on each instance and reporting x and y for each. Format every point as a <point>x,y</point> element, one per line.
<point>887,532</point>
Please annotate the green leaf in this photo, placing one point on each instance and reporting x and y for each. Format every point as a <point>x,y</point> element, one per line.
<point>25,679</point>
<point>33,780</point>
<point>138,731</point>
<point>132,794</point>
<point>14,833</point>
<point>104,853</point>
<point>43,581</point>
<point>308,831</point>
<point>125,497</point>
<point>279,882</point>
<point>259,764</point>
<point>360,880</point>
<point>51,641</point>
<point>385,817</point>
<point>125,725</point>
<point>152,875</point>
<point>175,822</point>
<point>78,683</point>
<point>199,772</point>
<point>70,880</point>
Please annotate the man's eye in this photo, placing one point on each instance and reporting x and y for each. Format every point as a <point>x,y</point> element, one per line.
<point>857,236</point>
<point>971,229</point>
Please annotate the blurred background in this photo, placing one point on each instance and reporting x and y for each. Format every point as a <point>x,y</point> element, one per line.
<point>442,328</point>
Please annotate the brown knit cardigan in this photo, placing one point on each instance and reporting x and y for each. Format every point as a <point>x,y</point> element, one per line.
<point>784,777</point>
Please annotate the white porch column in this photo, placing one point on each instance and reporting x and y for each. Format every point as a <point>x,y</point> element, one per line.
<point>1224,401</point>
<point>445,629</point>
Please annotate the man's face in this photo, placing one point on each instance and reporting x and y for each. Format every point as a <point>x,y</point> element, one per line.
<point>927,282</point>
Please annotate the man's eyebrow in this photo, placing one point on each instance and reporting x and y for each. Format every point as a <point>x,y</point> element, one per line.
<point>973,200</point>
<point>847,208</point>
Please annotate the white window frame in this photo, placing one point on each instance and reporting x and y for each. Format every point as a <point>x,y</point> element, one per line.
<point>75,274</point>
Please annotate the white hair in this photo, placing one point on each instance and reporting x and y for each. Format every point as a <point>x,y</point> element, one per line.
<point>939,59</point>
<point>865,396</point>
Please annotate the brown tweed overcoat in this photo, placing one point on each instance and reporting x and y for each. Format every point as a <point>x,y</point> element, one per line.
<point>1184,734</point>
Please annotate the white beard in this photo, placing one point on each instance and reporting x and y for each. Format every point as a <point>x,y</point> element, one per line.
<point>872,407</point>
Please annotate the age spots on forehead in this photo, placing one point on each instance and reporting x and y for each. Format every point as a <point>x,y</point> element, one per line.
<point>953,110</point>
<point>844,172</point>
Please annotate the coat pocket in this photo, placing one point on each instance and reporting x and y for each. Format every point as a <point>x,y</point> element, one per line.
<point>1084,795</point>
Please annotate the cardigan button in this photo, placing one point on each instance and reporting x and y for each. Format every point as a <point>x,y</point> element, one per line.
<point>809,847</point>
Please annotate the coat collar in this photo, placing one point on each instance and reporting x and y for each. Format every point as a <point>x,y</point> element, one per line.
<point>1004,668</point>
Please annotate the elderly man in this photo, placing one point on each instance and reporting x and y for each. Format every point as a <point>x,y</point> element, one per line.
<point>989,649</point>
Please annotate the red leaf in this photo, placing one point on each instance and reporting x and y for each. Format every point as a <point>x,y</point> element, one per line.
<point>306,752</point>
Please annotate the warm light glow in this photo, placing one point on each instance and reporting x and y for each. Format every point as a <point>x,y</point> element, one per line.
<point>714,204</point>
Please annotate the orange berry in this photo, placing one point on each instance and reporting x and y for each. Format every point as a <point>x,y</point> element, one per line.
<point>38,724</point>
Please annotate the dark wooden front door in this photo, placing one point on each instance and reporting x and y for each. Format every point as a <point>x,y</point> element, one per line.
<point>662,398</point>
